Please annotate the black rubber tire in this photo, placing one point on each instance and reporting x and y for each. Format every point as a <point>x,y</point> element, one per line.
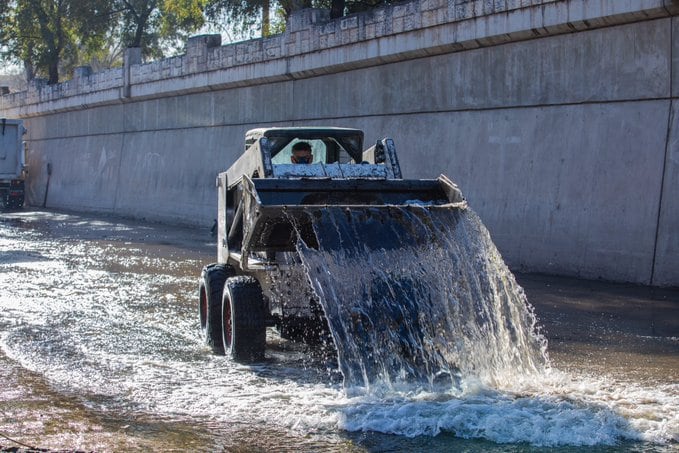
<point>210,290</point>
<point>244,319</point>
<point>11,201</point>
<point>18,202</point>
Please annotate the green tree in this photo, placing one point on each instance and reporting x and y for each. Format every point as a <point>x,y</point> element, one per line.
<point>242,16</point>
<point>246,15</point>
<point>43,34</point>
<point>50,37</point>
<point>355,6</point>
<point>108,55</point>
<point>153,24</point>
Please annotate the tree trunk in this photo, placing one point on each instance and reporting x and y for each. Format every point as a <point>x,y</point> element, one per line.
<point>53,70</point>
<point>29,71</point>
<point>266,22</point>
<point>136,42</point>
<point>337,9</point>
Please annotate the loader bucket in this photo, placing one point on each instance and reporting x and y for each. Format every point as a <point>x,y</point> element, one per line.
<point>279,211</point>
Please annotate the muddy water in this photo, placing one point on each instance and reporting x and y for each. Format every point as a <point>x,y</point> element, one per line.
<point>100,350</point>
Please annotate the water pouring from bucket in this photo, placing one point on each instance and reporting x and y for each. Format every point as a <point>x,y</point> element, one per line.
<point>420,296</point>
<point>399,271</point>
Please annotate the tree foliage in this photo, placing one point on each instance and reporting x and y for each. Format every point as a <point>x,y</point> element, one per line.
<point>46,34</point>
<point>248,15</point>
<point>153,25</point>
<point>50,37</point>
<point>243,16</point>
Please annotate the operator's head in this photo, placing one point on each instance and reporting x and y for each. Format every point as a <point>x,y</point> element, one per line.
<point>301,153</point>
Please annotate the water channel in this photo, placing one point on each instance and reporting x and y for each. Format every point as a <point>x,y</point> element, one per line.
<point>100,350</point>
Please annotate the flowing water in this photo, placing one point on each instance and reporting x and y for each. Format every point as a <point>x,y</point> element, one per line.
<point>100,350</point>
<point>420,296</point>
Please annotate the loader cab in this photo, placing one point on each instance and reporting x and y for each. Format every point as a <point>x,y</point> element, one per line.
<point>329,144</point>
<point>337,153</point>
<point>326,150</point>
<point>265,177</point>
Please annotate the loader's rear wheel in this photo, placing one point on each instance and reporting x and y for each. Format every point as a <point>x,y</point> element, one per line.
<point>244,319</point>
<point>210,304</point>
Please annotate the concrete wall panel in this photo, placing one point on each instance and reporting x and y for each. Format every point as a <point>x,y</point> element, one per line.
<point>675,57</point>
<point>105,120</point>
<point>84,172</point>
<point>558,196</point>
<point>92,121</point>
<point>155,181</point>
<point>257,104</point>
<point>140,116</point>
<point>627,62</point>
<point>666,270</point>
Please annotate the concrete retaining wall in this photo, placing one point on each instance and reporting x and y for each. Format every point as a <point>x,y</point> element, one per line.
<point>557,118</point>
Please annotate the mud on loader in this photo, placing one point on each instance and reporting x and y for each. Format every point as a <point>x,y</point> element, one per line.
<point>266,204</point>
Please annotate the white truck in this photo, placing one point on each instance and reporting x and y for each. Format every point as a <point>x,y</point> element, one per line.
<point>13,169</point>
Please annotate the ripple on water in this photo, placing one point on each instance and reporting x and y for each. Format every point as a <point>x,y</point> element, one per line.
<point>96,323</point>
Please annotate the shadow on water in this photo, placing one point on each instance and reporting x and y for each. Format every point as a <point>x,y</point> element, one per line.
<point>21,256</point>
<point>445,443</point>
<point>66,225</point>
<point>604,309</point>
<point>300,362</point>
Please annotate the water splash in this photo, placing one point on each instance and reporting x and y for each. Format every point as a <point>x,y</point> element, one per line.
<point>92,321</point>
<point>418,295</point>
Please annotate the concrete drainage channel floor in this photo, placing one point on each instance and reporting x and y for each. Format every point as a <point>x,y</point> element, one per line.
<point>100,350</point>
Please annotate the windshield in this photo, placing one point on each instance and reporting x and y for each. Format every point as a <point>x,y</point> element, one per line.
<point>326,150</point>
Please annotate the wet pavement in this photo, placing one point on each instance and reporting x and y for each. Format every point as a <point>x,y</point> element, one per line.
<point>100,351</point>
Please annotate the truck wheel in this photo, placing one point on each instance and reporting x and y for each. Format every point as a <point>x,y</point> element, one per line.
<point>210,289</point>
<point>14,202</point>
<point>243,319</point>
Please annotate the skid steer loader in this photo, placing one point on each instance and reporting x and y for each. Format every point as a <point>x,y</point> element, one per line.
<point>267,205</point>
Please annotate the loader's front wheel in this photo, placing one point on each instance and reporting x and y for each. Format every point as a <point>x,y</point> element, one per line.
<point>210,304</point>
<point>244,319</point>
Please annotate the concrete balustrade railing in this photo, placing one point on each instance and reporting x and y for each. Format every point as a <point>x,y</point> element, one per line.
<point>390,33</point>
